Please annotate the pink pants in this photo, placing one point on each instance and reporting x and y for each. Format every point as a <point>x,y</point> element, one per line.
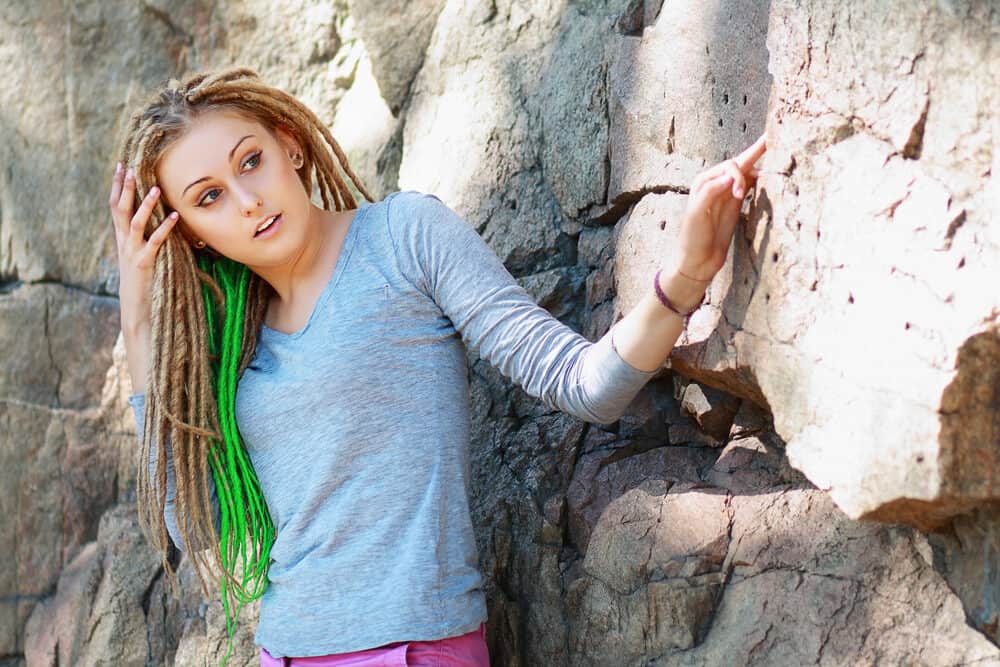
<point>468,650</point>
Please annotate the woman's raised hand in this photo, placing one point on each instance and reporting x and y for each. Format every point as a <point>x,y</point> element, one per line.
<point>136,255</point>
<point>713,211</point>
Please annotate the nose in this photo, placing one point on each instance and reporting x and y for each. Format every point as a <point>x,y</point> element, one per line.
<point>249,203</point>
<point>248,209</point>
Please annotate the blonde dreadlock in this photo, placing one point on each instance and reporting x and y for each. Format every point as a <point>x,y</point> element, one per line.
<point>181,406</point>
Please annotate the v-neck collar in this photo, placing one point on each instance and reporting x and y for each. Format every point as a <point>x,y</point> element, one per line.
<point>342,259</point>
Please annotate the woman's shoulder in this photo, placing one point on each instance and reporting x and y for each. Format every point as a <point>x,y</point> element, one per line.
<point>412,200</point>
<point>418,223</point>
<point>412,215</point>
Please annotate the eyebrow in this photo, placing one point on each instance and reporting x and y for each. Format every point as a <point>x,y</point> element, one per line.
<point>205,178</point>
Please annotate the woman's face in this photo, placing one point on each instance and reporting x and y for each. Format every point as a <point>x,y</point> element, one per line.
<point>225,177</point>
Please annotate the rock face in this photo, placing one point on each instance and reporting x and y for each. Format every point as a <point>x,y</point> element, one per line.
<point>904,158</point>
<point>812,478</point>
<point>877,359</point>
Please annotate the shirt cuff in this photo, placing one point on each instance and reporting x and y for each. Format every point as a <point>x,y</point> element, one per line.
<point>615,359</point>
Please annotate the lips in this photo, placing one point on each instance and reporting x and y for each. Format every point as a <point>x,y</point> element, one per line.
<point>269,225</point>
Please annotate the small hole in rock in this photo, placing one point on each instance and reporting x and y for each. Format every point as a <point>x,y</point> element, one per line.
<point>706,49</point>
<point>817,233</point>
<point>850,298</point>
<point>663,224</point>
<point>767,297</point>
<point>744,99</point>
<point>814,285</point>
<point>774,257</point>
<point>720,122</point>
<point>920,459</point>
<point>961,262</point>
<point>906,325</point>
<point>725,98</point>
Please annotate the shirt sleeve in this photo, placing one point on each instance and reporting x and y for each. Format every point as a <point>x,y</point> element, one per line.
<point>138,403</point>
<point>447,259</point>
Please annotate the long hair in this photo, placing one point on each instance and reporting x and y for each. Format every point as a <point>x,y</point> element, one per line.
<point>202,303</point>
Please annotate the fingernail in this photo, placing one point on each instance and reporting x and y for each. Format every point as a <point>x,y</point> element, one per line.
<point>118,168</point>
<point>129,173</point>
<point>153,191</point>
<point>739,192</point>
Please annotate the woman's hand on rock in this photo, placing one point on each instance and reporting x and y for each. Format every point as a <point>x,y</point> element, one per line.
<point>713,210</point>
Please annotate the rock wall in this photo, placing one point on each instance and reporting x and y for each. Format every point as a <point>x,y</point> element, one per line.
<point>814,475</point>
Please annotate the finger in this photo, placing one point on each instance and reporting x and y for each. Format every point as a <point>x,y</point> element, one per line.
<point>116,186</point>
<point>698,182</point>
<point>739,181</point>
<point>727,219</point>
<point>748,157</point>
<point>729,210</point>
<point>754,151</point>
<point>116,192</point>
<point>705,176</point>
<point>127,197</point>
<point>138,224</point>
<point>709,193</point>
<point>159,234</point>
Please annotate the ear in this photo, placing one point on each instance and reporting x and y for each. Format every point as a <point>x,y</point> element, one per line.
<point>289,143</point>
<point>189,236</point>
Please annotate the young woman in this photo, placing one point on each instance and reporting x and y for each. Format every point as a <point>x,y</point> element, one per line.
<point>312,360</point>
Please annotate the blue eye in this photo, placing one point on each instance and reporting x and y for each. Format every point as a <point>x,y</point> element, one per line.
<point>202,201</point>
<point>255,158</point>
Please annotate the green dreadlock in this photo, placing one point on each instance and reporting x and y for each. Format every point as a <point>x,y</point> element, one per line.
<point>241,502</point>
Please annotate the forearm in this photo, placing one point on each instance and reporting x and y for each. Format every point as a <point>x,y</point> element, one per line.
<point>137,353</point>
<point>138,404</point>
<point>646,335</point>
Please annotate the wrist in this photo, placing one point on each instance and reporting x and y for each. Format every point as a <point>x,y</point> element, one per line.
<point>136,329</point>
<point>695,272</point>
<point>681,291</point>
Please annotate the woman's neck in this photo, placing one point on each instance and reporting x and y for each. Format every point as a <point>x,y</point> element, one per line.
<point>326,231</point>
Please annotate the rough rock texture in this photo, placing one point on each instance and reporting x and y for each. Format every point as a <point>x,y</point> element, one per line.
<point>878,359</point>
<point>905,158</point>
<point>395,37</point>
<point>58,445</point>
<point>844,366</point>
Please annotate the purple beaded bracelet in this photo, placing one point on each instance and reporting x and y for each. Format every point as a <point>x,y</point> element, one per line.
<point>666,302</point>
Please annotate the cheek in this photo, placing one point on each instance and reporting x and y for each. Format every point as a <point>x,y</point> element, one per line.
<point>289,179</point>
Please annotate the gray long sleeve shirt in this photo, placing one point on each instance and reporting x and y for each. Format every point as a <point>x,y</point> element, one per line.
<point>358,428</point>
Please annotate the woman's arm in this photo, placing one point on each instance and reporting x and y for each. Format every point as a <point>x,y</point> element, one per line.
<point>647,334</point>
<point>138,403</point>
<point>446,260</point>
<point>444,257</point>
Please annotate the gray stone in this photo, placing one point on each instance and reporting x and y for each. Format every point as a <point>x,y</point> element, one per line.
<point>396,35</point>
<point>712,409</point>
<point>967,555</point>
<point>841,592</point>
<point>96,616</point>
<point>692,89</point>
<point>899,364</point>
